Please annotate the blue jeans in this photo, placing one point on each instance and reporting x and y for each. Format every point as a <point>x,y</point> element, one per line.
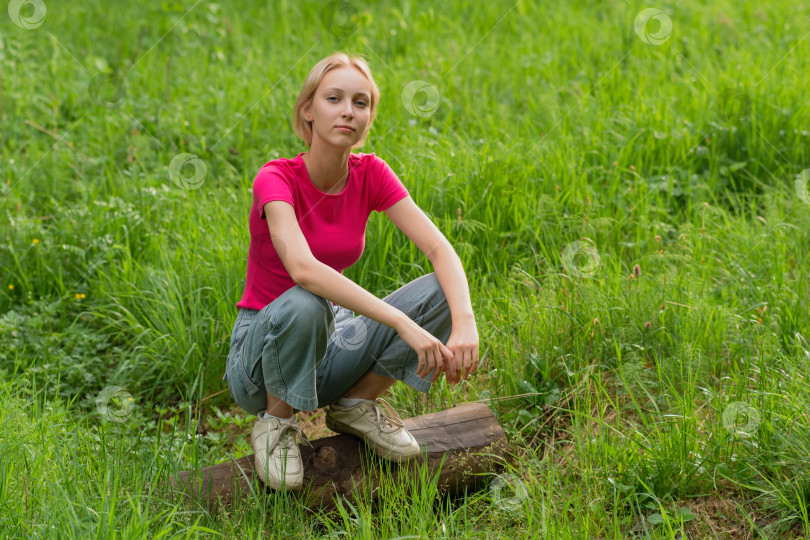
<point>308,352</point>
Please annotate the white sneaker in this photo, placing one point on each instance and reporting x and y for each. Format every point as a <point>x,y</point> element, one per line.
<point>385,433</point>
<point>278,458</point>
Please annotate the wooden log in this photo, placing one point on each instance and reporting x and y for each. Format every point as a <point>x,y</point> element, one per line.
<point>467,438</point>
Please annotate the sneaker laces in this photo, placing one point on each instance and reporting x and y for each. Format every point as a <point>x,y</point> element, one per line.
<point>391,420</point>
<point>287,437</point>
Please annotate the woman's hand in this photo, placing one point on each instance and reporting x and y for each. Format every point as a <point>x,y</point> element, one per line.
<point>463,344</point>
<point>432,353</point>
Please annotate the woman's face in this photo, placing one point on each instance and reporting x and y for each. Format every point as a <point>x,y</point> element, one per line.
<point>342,99</point>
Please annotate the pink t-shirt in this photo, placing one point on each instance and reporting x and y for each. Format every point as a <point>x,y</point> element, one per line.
<point>333,225</point>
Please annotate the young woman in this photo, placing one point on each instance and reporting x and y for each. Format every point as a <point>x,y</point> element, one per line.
<point>296,344</point>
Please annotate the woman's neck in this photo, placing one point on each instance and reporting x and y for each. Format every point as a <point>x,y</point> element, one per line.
<point>327,170</point>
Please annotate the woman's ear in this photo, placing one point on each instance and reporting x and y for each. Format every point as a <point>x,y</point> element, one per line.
<point>306,112</point>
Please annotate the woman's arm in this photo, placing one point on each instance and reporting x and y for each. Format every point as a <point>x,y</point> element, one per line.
<point>450,273</point>
<point>463,342</point>
<point>316,277</point>
<point>322,280</point>
<point>325,281</point>
<point>417,226</point>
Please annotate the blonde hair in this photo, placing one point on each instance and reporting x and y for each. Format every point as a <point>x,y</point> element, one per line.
<point>302,126</point>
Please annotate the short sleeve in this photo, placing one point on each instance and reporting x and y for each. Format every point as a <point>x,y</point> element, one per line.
<point>390,188</point>
<point>271,184</point>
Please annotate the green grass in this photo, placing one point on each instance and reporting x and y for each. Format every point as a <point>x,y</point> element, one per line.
<point>557,123</point>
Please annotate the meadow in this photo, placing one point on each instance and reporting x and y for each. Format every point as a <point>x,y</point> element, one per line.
<point>627,190</point>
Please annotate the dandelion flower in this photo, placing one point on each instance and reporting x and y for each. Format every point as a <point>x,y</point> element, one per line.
<point>11,287</point>
<point>35,241</point>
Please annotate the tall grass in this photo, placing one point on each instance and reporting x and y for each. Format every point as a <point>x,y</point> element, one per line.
<point>671,401</point>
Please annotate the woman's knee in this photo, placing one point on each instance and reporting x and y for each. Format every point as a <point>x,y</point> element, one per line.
<point>308,304</point>
<point>298,306</point>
